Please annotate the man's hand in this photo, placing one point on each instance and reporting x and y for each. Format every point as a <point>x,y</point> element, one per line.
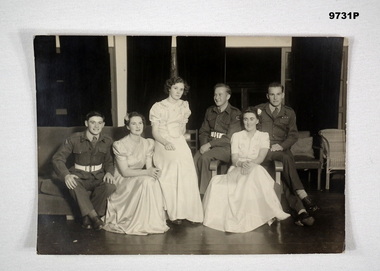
<point>108,178</point>
<point>205,148</point>
<point>276,147</point>
<point>70,181</point>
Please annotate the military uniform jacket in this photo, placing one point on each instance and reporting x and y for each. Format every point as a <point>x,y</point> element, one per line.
<point>223,124</point>
<point>85,154</point>
<point>282,129</point>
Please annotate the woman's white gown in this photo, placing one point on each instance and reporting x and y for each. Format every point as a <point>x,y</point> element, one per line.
<point>179,181</point>
<point>240,203</point>
<point>136,207</point>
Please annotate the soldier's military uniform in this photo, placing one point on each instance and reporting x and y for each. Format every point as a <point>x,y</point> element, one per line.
<point>282,130</point>
<point>92,161</point>
<point>217,129</point>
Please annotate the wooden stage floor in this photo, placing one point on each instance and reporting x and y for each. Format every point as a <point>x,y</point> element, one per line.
<point>56,235</point>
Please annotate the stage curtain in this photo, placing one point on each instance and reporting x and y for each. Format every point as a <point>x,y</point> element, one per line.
<point>317,63</point>
<point>201,62</point>
<point>148,60</point>
<point>86,74</point>
<point>75,79</point>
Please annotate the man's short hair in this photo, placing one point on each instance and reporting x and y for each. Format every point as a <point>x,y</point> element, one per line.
<point>222,85</point>
<point>276,85</point>
<point>95,114</point>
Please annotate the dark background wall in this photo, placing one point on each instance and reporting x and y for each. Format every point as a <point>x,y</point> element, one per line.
<point>201,63</point>
<point>317,64</point>
<point>249,71</point>
<point>148,68</point>
<point>78,78</point>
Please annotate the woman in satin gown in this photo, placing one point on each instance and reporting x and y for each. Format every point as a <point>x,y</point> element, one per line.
<point>137,206</point>
<point>173,156</point>
<point>244,198</point>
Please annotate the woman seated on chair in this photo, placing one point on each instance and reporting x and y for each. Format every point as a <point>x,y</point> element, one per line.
<point>244,198</point>
<point>137,206</point>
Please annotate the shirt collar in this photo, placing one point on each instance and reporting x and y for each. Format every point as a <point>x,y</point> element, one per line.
<point>84,136</point>
<point>271,108</point>
<point>227,110</point>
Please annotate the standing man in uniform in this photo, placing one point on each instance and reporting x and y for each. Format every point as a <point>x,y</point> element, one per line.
<point>92,172</point>
<point>220,122</point>
<point>279,121</point>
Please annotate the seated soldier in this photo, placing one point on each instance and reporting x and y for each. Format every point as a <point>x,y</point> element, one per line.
<point>92,172</point>
<point>279,121</point>
<point>220,122</point>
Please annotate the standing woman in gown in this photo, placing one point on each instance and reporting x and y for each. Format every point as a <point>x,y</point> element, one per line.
<point>173,156</point>
<point>244,198</point>
<point>137,206</point>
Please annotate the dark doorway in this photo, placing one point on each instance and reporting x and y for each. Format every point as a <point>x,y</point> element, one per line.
<point>249,71</point>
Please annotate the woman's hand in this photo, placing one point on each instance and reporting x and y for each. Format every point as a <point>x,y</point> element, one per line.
<point>169,147</point>
<point>154,172</point>
<point>246,167</point>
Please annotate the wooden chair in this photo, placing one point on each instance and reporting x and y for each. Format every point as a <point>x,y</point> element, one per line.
<point>333,151</point>
<point>306,157</point>
<point>309,158</point>
<point>191,137</point>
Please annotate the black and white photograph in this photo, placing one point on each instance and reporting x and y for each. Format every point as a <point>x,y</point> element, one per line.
<point>189,135</point>
<point>203,145</point>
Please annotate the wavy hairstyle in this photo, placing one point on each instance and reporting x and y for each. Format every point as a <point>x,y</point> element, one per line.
<point>250,109</point>
<point>128,117</point>
<point>174,80</point>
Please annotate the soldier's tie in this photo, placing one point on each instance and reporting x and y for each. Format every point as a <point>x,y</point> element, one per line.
<point>275,112</point>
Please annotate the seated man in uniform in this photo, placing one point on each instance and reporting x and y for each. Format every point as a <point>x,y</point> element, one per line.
<point>220,122</point>
<point>279,121</point>
<point>92,172</point>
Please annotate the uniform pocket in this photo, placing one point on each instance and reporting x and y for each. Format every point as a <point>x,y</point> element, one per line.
<point>102,149</point>
<point>284,120</point>
<point>78,149</point>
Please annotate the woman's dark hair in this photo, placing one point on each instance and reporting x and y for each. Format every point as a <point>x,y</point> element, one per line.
<point>128,117</point>
<point>250,109</point>
<point>174,80</point>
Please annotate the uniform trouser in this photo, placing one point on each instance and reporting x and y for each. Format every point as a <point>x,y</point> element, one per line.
<point>291,180</point>
<point>92,194</point>
<point>202,164</point>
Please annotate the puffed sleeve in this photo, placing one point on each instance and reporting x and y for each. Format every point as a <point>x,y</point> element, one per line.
<point>186,112</point>
<point>235,144</point>
<point>155,114</point>
<point>264,140</point>
<point>120,152</point>
<point>150,149</point>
